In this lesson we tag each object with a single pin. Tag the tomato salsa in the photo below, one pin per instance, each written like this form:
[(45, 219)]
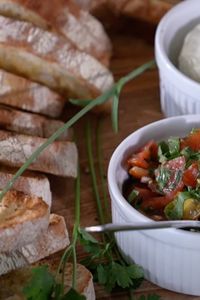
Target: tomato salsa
[(164, 178)]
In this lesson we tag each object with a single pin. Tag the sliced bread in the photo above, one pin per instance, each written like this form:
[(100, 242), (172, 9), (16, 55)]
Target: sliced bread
[(59, 159)]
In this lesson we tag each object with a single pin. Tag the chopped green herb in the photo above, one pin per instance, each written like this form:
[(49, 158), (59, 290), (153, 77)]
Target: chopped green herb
[(174, 146), (174, 210), (163, 177), (163, 151), (132, 195)]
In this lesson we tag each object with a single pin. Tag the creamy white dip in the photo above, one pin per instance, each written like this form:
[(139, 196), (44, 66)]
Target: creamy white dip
[(189, 58)]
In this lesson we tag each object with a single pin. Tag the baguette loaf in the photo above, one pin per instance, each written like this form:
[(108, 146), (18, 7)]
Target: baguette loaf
[(22, 93), (30, 124), (30, 183), (22, 219), (59, 159), (53, 240), (48, 59), (13, 283), (78, 26)]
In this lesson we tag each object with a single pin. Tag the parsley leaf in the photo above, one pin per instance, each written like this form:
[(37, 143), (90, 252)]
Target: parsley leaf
[(174, 210), (41, 285), (168, 149), (116, 275), (163, 177)]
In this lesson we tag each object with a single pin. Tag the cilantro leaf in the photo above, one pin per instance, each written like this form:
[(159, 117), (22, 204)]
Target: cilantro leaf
[(163, 177), (163, 151), (174, 210), (41, 285), (73, 295)]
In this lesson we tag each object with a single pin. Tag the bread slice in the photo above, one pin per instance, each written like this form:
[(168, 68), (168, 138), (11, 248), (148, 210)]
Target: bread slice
[(30, 183), (49, 59), (22, 93), (22, 219), (30, 124), (59, 159), (13, 283), (53, 240), (84, 31)]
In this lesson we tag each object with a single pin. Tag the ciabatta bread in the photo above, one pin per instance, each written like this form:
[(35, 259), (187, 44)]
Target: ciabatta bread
[(30, 183), (22, 219), (24, 94), (53, 240), (30, 124), (79, 27), (59, 159), (49, 59), (13, 283)]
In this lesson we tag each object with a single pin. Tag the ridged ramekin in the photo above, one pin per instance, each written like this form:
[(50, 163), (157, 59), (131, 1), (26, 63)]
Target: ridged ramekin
[(170, 257), (179, 94)]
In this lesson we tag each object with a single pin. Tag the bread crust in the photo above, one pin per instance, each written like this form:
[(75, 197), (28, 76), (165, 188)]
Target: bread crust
[(59, 159), (22, 219), (48, 59), (30, 124)]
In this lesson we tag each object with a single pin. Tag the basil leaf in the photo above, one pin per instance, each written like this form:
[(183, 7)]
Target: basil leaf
[(174, 210)]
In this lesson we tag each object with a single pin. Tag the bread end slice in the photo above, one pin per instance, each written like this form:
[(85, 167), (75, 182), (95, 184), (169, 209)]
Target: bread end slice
[(22, 219)]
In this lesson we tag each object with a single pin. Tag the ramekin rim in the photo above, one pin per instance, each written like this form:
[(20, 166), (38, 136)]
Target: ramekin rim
[(161, 53)]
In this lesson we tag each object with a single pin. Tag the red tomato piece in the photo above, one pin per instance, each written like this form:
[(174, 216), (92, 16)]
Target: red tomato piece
[(138, 162), (155, 203), (190, 175), (150, 150), (138, 173), (192, 141)]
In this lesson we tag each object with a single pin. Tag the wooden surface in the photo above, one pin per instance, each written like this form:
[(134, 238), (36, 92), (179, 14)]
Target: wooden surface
[(139, 105)]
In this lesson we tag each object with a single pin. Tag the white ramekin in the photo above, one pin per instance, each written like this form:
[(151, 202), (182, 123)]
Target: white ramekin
[(170, 257), (179, 94)]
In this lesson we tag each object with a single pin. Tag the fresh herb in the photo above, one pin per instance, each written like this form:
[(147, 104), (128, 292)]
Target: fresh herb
[(105, 261), (169, 149), (41, 285), (174, 146), (174, 210), (133, 195), (162, 178)]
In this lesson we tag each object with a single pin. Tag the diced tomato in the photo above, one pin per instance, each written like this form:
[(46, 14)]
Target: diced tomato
[(176, 167), (155, 203), (150, 150), (138, 162), (145, 193), (192, 141), (190, 175), (138, 173)]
